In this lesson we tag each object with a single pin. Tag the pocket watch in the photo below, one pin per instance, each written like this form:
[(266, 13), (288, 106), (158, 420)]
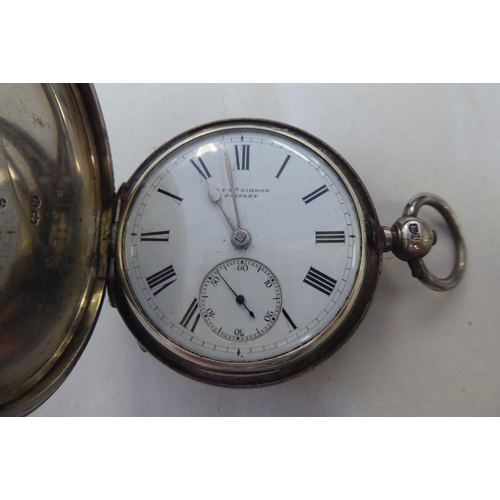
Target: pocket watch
[(240, 253)]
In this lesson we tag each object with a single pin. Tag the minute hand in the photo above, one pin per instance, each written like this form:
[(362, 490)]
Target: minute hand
[(231, 185)]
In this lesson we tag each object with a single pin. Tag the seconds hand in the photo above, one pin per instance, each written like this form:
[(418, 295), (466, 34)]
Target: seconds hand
[(240, 299)]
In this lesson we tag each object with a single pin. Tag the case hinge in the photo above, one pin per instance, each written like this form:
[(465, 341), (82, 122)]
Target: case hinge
[(113, 246)]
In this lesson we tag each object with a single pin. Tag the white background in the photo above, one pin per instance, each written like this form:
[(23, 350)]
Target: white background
[(418, 352)]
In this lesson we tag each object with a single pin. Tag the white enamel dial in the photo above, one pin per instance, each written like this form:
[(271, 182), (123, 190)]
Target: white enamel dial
[(303, 227)]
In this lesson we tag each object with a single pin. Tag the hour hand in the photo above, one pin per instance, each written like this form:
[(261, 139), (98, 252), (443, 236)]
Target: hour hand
[(240, 238), (214, 195)]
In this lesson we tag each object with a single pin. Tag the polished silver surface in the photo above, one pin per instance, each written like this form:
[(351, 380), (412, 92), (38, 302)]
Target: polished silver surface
[(411, 239), (55, 174)]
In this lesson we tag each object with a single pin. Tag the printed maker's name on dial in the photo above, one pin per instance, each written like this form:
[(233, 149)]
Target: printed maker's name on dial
[(243, 192)]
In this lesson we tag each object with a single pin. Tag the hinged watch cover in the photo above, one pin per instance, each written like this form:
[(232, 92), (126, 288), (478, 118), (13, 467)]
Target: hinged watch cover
[(56, 193)]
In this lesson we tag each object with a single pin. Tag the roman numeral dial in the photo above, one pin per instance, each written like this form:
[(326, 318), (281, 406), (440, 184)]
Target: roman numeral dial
[(280, 171), (178, 199), (315, 194), (202, 296), (201, 168), (289, 319), (242, 156), (162, 279), (192, 316), (155, 236), (320, 281), (330, 237)]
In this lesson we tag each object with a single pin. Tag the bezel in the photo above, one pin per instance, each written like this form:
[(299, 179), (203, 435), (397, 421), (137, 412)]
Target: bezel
[(283, 366)]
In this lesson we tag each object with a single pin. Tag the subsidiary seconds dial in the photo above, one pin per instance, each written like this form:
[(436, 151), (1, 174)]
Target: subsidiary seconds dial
[(240, 300)]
